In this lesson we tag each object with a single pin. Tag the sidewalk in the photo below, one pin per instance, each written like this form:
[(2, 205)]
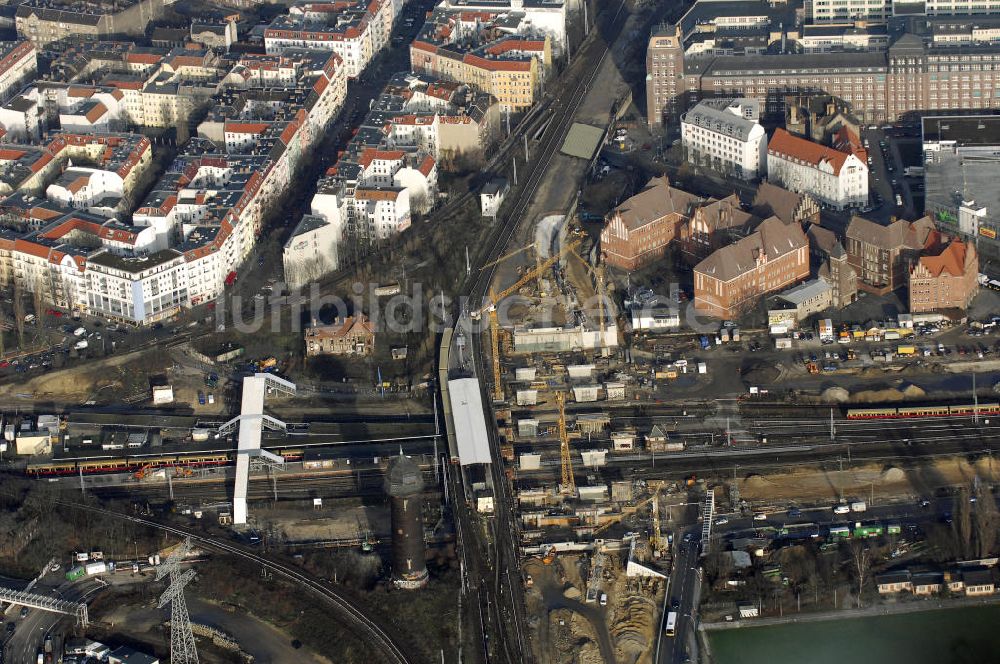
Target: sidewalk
[(894, 608)]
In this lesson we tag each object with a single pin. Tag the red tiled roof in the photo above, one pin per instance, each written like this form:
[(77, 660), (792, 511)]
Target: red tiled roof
[(246, 127), (94, 114), (376, 194), (786, 145), (427, 165), (951, 260), (371, 154)]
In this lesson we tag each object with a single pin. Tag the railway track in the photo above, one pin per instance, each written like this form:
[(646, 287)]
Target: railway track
[(377, 636)]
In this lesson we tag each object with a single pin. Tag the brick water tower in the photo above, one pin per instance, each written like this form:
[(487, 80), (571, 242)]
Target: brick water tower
[(405, 486)]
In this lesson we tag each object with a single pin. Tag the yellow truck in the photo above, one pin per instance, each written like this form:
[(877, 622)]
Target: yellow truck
[(906, 350)]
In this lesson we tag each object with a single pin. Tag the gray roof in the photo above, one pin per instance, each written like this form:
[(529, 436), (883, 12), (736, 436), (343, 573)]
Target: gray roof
[(972, 130), (771, 199), (308, 223), (901, 576), (773, 238), (655, 201), (720, 120), (792, 65), (805, 291), (133, 264), (823, 239)]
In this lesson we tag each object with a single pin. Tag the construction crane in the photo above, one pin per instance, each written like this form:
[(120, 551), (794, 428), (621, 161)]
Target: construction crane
[(657, 486), (491, 308), (528, 276), (495, 341), (568, 481), (506, 256)]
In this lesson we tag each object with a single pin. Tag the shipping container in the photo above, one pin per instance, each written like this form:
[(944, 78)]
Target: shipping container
[(75, 573), (906, 350), (859, 506), (95, 568)]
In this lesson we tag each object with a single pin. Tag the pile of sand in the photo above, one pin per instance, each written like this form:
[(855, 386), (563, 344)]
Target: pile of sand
[(893, 475), (902, 391), (835, 394)]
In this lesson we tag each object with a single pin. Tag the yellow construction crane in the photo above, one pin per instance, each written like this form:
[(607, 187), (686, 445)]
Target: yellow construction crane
[(491, 308), (656, 485), (506, 256), (528, 276), (568, 480), (495, 341)]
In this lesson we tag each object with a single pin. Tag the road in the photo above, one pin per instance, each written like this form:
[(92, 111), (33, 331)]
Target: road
[(683, 592), (30, 632)]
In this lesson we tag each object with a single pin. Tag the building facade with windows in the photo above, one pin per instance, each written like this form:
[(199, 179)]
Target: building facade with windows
[(725, 135), (839, 179), (948, 280), (881, 83), (731, 281)]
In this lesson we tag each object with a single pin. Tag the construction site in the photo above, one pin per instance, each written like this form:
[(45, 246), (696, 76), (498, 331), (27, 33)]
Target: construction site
[(597, 542)]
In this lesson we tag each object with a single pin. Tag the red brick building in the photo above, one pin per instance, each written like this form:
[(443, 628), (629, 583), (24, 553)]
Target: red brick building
[(881, 255), (639, 230), (946, 281), (729, 282)]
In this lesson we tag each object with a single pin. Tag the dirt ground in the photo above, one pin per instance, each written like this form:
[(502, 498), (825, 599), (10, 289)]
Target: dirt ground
[(119, 376), (347, 523), (567, 630), (810, 484)]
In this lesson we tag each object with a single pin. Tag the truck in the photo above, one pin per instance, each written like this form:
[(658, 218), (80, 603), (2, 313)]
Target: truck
[(826, 331), (906, 350), (705, 343), (859, 506)]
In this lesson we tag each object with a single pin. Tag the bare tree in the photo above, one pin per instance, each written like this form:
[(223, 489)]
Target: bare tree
[(861, 561), (985, 521), (963, 522), (17, 302), (38, 301)]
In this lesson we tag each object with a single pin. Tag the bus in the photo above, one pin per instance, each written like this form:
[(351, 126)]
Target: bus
[(671, 623)]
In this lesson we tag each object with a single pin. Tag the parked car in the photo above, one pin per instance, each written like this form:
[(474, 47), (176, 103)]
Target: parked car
[(760, 516)]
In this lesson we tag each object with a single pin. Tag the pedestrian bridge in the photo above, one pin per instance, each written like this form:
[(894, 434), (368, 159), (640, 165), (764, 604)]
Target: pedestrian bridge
[(43, 603), (250, 424)]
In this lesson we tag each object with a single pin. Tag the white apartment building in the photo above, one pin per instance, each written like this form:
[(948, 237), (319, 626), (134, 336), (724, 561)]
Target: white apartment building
[(724, 134), (18, 65), (838, 179), (312, 250), (82, 188), (139, 290)]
